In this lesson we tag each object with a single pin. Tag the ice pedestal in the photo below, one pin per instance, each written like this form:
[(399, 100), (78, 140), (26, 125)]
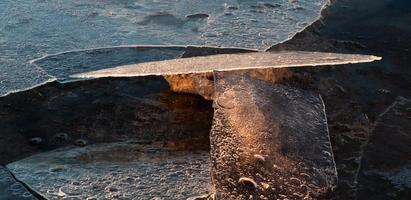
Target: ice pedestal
[(269, 141)]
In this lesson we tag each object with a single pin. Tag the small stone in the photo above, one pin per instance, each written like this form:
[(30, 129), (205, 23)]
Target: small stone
[(248, 182), (80, 142), (265, 186), (36, 141), (62, 137)]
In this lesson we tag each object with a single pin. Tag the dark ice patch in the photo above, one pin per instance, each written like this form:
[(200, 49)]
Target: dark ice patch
[(386, 162)]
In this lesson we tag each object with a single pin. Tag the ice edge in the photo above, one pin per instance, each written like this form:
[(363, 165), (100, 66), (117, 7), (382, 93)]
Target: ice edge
[(93, 74)]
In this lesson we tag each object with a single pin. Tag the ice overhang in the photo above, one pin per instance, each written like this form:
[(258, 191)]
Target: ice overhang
[(229, 62)]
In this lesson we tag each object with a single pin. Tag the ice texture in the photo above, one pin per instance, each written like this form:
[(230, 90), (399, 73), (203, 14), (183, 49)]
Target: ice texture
[(31, 29), (127, 170), (269, 141)]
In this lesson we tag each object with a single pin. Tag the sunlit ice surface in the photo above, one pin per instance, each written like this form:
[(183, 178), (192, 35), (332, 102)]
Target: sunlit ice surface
[(229, 62), (32, 29)]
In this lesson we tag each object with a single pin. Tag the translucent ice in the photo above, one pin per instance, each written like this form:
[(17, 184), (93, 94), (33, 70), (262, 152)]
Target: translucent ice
[(269, 141)]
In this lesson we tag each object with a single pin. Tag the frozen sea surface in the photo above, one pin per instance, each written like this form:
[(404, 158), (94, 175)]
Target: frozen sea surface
[(116, 171), (32, 29)]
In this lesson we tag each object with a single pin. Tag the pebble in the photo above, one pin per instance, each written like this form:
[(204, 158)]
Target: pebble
[(248, 182), (80, 142), (36, 141), (62, 137), (265, 186)]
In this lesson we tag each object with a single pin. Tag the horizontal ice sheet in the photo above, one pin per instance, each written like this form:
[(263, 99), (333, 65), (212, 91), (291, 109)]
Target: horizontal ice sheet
[(31, 29), (229, 62), (64, 64)]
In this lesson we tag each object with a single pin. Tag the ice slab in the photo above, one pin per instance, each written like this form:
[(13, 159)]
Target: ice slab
[(116, 171), (229, 62), (31, 29), (269, 141)]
